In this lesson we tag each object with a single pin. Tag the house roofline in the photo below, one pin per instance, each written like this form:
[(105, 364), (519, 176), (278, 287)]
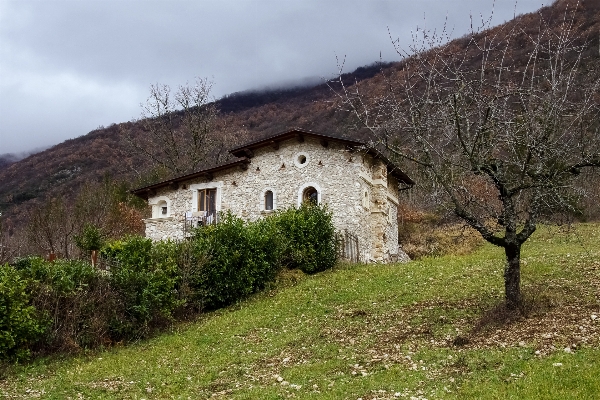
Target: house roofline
[(143, 192), (292, 133), (393, 169), (246, 152)]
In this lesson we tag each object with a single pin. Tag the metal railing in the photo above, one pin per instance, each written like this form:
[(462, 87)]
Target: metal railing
[(347, 246), (195, 221)]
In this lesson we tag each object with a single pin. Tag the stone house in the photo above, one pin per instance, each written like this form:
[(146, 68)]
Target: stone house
[(358, 184)]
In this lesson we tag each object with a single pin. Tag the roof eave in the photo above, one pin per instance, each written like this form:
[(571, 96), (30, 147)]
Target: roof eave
[(297, 133), (143, 192)]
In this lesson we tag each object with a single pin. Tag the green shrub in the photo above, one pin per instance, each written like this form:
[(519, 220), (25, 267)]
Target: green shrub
[(147, 283), (33, 267), (74, 298), (64, 276), (224, 278), (145, 278), (240, 259), (19, 325), (309, 237), (192, 255), (90, 239), (266, 246)]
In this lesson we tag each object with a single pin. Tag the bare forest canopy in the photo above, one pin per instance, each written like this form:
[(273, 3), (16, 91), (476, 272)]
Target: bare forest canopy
[(64, 168)]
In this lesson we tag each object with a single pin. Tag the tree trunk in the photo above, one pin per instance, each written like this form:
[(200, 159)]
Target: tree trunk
[(512, 276)]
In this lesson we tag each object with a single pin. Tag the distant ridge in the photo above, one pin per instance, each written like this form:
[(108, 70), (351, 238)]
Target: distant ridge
[(246, 116)]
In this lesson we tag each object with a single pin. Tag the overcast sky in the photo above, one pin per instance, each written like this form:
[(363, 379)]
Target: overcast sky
[(67, 67)]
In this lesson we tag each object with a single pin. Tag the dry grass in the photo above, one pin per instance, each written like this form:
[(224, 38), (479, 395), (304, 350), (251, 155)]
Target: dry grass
[(423, 234)]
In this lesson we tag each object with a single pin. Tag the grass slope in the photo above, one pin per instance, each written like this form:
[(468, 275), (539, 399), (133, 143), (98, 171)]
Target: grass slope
[(428, 329)]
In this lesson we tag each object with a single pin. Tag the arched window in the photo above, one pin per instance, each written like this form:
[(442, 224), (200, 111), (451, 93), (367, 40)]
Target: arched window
[(310, 195), (161, 207), (269, 200)]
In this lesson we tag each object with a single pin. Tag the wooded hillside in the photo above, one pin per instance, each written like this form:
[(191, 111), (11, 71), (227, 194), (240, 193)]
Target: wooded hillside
[(65, 167)]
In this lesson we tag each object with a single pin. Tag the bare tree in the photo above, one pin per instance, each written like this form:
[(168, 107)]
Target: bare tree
[(107, 206), (501, 132), (51, 227), (177, 127)]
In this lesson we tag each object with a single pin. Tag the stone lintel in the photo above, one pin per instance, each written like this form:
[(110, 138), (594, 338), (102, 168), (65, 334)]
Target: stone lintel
[(379, 182)]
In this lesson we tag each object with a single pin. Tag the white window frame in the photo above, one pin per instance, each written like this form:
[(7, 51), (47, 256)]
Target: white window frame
[(307, 185), (194, 188), (157, 208), (366, 199), (297, 161), (261, 199)]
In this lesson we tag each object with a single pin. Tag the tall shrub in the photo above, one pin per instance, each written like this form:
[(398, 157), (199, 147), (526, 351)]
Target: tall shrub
[(266, 247), (74, 297), (309, 236), (224, 278), (240, 259), (19, 323), (145, 278)]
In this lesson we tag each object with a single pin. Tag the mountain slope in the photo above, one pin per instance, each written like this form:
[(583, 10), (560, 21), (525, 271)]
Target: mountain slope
[(62, 169)]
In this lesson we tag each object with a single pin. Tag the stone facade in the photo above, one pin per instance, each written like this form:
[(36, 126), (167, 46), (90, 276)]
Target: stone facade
[(356, 186)]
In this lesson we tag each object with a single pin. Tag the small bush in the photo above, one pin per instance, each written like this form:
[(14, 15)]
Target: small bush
[(19, 324), (90, 239), (309, 237)]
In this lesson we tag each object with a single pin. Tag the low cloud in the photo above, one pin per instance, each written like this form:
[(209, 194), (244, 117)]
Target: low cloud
[(68, 67)]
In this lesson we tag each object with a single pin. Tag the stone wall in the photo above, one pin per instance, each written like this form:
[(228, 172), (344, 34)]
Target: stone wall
[(355, 187)]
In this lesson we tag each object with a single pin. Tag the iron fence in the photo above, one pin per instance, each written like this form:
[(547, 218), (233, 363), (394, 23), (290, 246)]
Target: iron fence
[(195, 221), (347, 246)]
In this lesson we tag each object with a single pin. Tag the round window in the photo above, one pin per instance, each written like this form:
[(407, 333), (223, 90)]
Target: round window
[(301, 159)]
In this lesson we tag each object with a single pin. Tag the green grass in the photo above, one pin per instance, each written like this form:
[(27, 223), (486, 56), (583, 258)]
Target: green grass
[(428, 329)]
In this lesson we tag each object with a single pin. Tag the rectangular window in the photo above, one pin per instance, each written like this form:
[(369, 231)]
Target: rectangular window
[(268, 200), (207, 201)]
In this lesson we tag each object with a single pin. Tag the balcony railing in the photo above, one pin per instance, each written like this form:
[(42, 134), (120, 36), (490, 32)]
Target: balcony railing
[(347, 246), (197, 219)]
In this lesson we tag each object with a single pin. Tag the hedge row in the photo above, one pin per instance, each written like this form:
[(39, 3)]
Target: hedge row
[(68, 305)]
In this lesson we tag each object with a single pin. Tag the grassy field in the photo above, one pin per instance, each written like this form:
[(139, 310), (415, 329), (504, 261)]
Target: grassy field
[(431, 329)]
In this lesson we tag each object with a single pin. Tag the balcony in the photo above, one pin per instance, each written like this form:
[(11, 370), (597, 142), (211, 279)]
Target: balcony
[(197, 219)]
